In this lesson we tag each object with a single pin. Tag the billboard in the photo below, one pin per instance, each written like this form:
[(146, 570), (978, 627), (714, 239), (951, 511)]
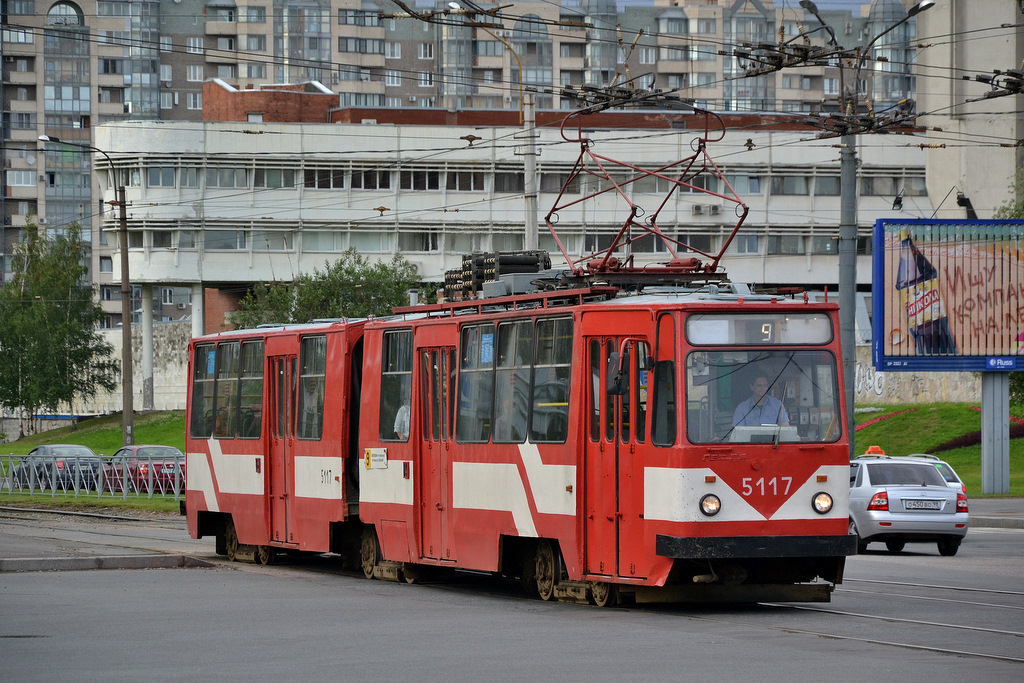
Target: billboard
[(948, 295)]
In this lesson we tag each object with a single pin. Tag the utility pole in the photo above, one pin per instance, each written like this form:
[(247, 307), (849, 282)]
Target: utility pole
[(848, 272), (127, 408), (530, 171)]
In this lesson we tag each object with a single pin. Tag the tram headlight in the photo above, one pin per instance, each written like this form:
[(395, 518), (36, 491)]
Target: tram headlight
[(710, 505), (822, 502)]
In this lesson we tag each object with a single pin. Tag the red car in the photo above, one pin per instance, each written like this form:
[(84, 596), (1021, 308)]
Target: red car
[(145, 469)]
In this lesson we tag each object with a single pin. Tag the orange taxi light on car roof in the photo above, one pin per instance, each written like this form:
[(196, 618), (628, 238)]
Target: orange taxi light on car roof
[(874, 450)]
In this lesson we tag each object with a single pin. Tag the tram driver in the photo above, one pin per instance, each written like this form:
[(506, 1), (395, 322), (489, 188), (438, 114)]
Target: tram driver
[(761, 408)]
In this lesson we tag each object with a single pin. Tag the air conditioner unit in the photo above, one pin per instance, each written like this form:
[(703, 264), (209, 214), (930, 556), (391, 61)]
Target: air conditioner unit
[(412, 98), (182, 306), (697, 209), (8, 59), (714, 209)]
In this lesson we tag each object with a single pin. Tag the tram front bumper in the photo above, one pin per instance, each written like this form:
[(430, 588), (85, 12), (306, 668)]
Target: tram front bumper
[(696, 548)]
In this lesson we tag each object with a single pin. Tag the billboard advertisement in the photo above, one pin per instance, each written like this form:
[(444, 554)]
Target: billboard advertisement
[(948, 295)]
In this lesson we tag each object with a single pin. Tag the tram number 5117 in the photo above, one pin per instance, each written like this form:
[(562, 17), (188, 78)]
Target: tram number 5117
[(762, 485)]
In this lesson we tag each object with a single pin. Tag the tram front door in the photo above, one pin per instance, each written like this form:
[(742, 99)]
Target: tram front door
[(616, 433)]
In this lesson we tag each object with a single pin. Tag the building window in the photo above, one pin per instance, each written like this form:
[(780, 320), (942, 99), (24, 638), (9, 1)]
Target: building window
[(272, 178), (195, 72), (166, 296), (392, 50), (325, 178), (509, 182), (226, 44), (744, 244), (392, 78), (420, 180), (826, 186), (785, 244), (789, 185), (194, 45), (195, 100), (256, 43), (707, 26), (465, 181), (648, 55), (106, 264), (426, 51), (161, 239), (881, 186), (371, 180), (425, 79), (824, 245), (254, 15), (161, 176), (271, 240), (234, 176), (225, 240)]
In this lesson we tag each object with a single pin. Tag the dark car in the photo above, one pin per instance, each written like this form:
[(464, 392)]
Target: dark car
[(66, 467), (146, 468)]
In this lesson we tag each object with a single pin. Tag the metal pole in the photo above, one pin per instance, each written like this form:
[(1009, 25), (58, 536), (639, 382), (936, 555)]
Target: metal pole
[(848, 273), (530, 172), (127, 419)]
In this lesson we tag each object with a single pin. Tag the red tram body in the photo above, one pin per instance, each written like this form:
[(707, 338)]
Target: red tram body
[(590, 442)]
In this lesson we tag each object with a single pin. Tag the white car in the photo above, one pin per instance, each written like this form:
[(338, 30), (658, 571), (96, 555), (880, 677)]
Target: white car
[(896, 500)]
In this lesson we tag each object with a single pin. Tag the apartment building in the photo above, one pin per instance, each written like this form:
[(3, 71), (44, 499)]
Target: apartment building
[(68, 66)]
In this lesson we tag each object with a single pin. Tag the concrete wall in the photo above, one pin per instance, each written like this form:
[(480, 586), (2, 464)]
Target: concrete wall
[(880, 388)]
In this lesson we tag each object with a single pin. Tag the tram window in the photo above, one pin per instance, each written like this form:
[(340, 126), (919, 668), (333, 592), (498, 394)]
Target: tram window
[(203, 385), (549, 417), (512, 381), (595, 389), (476, 384), (640, 371), (251, 407), (395, 386), (720, 385), (663, 385), (312, 376), (228, 368)]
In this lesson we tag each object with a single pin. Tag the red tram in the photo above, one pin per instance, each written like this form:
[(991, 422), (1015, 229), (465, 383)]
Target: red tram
[(670, 443)]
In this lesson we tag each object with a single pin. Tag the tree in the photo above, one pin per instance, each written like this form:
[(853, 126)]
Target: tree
[(1014, 206), (49, 319), (351, 287)]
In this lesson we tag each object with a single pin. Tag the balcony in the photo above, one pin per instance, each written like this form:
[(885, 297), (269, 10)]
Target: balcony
[(221, 28)]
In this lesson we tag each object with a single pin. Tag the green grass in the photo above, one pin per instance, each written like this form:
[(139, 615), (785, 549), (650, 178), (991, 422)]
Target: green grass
[(928, 426), (920, 431), (103, 434)]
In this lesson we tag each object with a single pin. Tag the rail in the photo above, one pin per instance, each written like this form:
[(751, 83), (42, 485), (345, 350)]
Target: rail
[(99, 476)]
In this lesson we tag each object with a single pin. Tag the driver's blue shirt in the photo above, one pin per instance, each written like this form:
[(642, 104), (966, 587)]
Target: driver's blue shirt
[(770, 412)]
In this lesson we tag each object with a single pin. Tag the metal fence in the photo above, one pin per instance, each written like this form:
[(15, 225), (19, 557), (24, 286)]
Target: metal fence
[(84, 476)]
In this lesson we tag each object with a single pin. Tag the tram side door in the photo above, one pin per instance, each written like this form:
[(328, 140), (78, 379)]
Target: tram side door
[(616, 425), (281, 454), (436, 405)]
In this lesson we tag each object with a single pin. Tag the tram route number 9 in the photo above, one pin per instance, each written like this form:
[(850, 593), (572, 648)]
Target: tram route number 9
[(762, 485), (766, 332)]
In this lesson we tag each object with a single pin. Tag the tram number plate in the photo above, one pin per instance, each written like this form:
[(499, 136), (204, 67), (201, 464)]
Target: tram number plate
[(922, 504)]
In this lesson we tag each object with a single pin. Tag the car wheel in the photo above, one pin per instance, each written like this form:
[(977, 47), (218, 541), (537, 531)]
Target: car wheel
[(948, 548), (895, 546), (861, 545)]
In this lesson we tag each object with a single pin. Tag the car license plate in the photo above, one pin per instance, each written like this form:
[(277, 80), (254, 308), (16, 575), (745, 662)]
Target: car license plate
[(922, 504)]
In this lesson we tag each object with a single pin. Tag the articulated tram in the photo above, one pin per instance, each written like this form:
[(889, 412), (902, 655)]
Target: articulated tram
[(601, 443)]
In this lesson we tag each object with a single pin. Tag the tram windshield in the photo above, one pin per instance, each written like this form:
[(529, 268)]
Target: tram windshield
[(762, 396)]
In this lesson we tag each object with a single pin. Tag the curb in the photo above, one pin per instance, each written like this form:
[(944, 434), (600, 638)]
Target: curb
[(997, 522), (38, 564)]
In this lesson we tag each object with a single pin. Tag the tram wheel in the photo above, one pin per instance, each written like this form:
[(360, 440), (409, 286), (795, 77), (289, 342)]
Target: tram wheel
[(369, 552), (230, 540), (895, 546), (603, 593), (265, 555), (545, 570), (411, 573)]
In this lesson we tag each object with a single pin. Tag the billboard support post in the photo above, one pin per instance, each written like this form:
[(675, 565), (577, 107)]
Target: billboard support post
[(995, 432)]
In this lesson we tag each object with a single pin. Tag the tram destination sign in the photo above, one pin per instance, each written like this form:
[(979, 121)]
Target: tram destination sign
[(948, 295)]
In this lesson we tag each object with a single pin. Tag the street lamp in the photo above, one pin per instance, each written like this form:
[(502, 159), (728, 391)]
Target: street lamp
[(127, 419)]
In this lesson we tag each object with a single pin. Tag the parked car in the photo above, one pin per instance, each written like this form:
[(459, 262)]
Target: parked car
[(896, 500), (60, 466), (145, 468)]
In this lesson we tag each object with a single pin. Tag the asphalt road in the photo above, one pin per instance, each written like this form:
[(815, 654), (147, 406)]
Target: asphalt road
[(915, 616)]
